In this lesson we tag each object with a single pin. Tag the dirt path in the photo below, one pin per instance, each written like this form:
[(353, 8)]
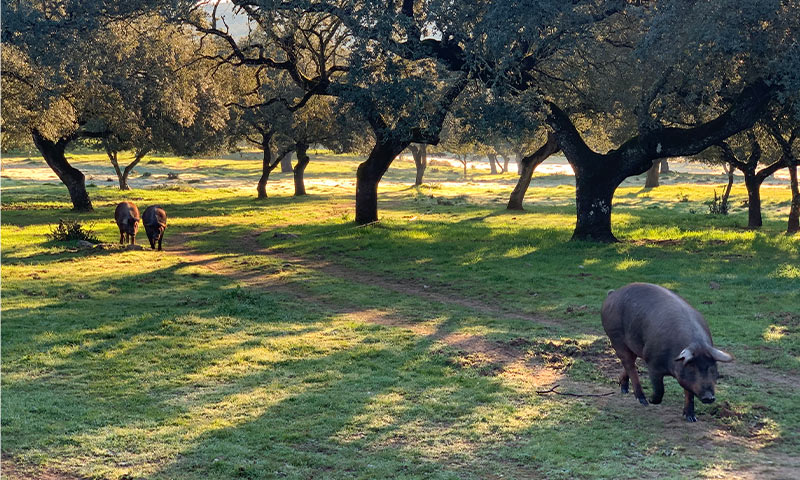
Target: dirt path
[(514, 362)]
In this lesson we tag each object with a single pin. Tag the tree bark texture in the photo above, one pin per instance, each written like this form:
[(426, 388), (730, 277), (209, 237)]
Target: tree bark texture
[(527, 166), (368, 176), (420, 154), (300, 168), (664, 166), (71, 177)]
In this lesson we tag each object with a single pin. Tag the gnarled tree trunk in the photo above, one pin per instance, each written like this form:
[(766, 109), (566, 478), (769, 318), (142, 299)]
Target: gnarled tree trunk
[(368, 176), (597, 176), (527, 166), (420, 154), (73, 179), (300, 168)]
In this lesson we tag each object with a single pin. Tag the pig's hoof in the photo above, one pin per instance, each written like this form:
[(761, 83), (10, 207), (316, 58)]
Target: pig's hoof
[(690, 418), (655, 401), (643, 401), (623, 389)]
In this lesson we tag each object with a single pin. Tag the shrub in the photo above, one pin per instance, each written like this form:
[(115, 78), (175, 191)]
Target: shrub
[(718, 206), (67, 230)]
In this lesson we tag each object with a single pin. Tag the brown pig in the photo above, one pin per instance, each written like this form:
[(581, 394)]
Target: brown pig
[(155, 222), (127, 218), (648, 321)]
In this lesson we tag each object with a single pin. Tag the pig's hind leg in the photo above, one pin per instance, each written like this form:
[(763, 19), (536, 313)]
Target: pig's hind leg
[(628, 359)]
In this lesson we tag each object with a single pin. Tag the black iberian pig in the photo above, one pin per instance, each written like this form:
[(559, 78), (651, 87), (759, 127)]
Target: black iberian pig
[(155, 222), (651, 322), (127, 218)]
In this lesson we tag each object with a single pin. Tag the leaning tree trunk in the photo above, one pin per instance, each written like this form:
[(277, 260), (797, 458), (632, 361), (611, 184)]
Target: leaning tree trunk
[(652, 175), (492, 163), (519, 156), (794, 211), (664, 166), (267, 166), (286, 163), (300, 168), (368, 176), (73, 179), (527, 166), (753, 184), (420, 154)]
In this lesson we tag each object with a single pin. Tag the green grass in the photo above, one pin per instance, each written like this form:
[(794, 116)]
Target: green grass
[(129, 364)]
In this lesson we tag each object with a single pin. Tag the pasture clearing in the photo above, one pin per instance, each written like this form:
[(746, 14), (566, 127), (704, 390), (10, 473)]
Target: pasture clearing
[(413, 348)]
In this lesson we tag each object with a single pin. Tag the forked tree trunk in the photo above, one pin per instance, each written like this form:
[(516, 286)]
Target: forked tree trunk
[(794, 211), (652, 175), (727, 193), (71, 177), (492, 163), (463, 160), (286, 163), (420, 154), (527, 166), (300, 168), (369, 175), (123, 174), (664, 166), (597, 175)]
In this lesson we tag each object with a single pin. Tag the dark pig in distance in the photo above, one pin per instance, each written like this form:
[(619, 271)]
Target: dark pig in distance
[(648, 321), (127, 217), (155, 222)]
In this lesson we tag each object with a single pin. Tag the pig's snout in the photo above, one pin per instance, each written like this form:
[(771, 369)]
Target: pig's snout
[(707, 397)]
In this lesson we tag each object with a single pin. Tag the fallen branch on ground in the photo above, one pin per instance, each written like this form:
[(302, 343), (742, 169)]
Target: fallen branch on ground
[(553, 390)]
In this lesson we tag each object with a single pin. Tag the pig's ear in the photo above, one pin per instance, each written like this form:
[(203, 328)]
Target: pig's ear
[(720, 356), (685, 356)]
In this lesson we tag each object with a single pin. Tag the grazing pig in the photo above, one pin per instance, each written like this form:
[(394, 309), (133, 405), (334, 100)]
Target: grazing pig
[(651, 322), (127, 218), (155, 222)]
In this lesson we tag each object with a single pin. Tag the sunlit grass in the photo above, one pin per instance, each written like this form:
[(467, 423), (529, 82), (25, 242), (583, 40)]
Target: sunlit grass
[(129, 364)]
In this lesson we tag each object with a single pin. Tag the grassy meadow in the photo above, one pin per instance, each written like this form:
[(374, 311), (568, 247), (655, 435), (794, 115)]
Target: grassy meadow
[(275, 339)]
